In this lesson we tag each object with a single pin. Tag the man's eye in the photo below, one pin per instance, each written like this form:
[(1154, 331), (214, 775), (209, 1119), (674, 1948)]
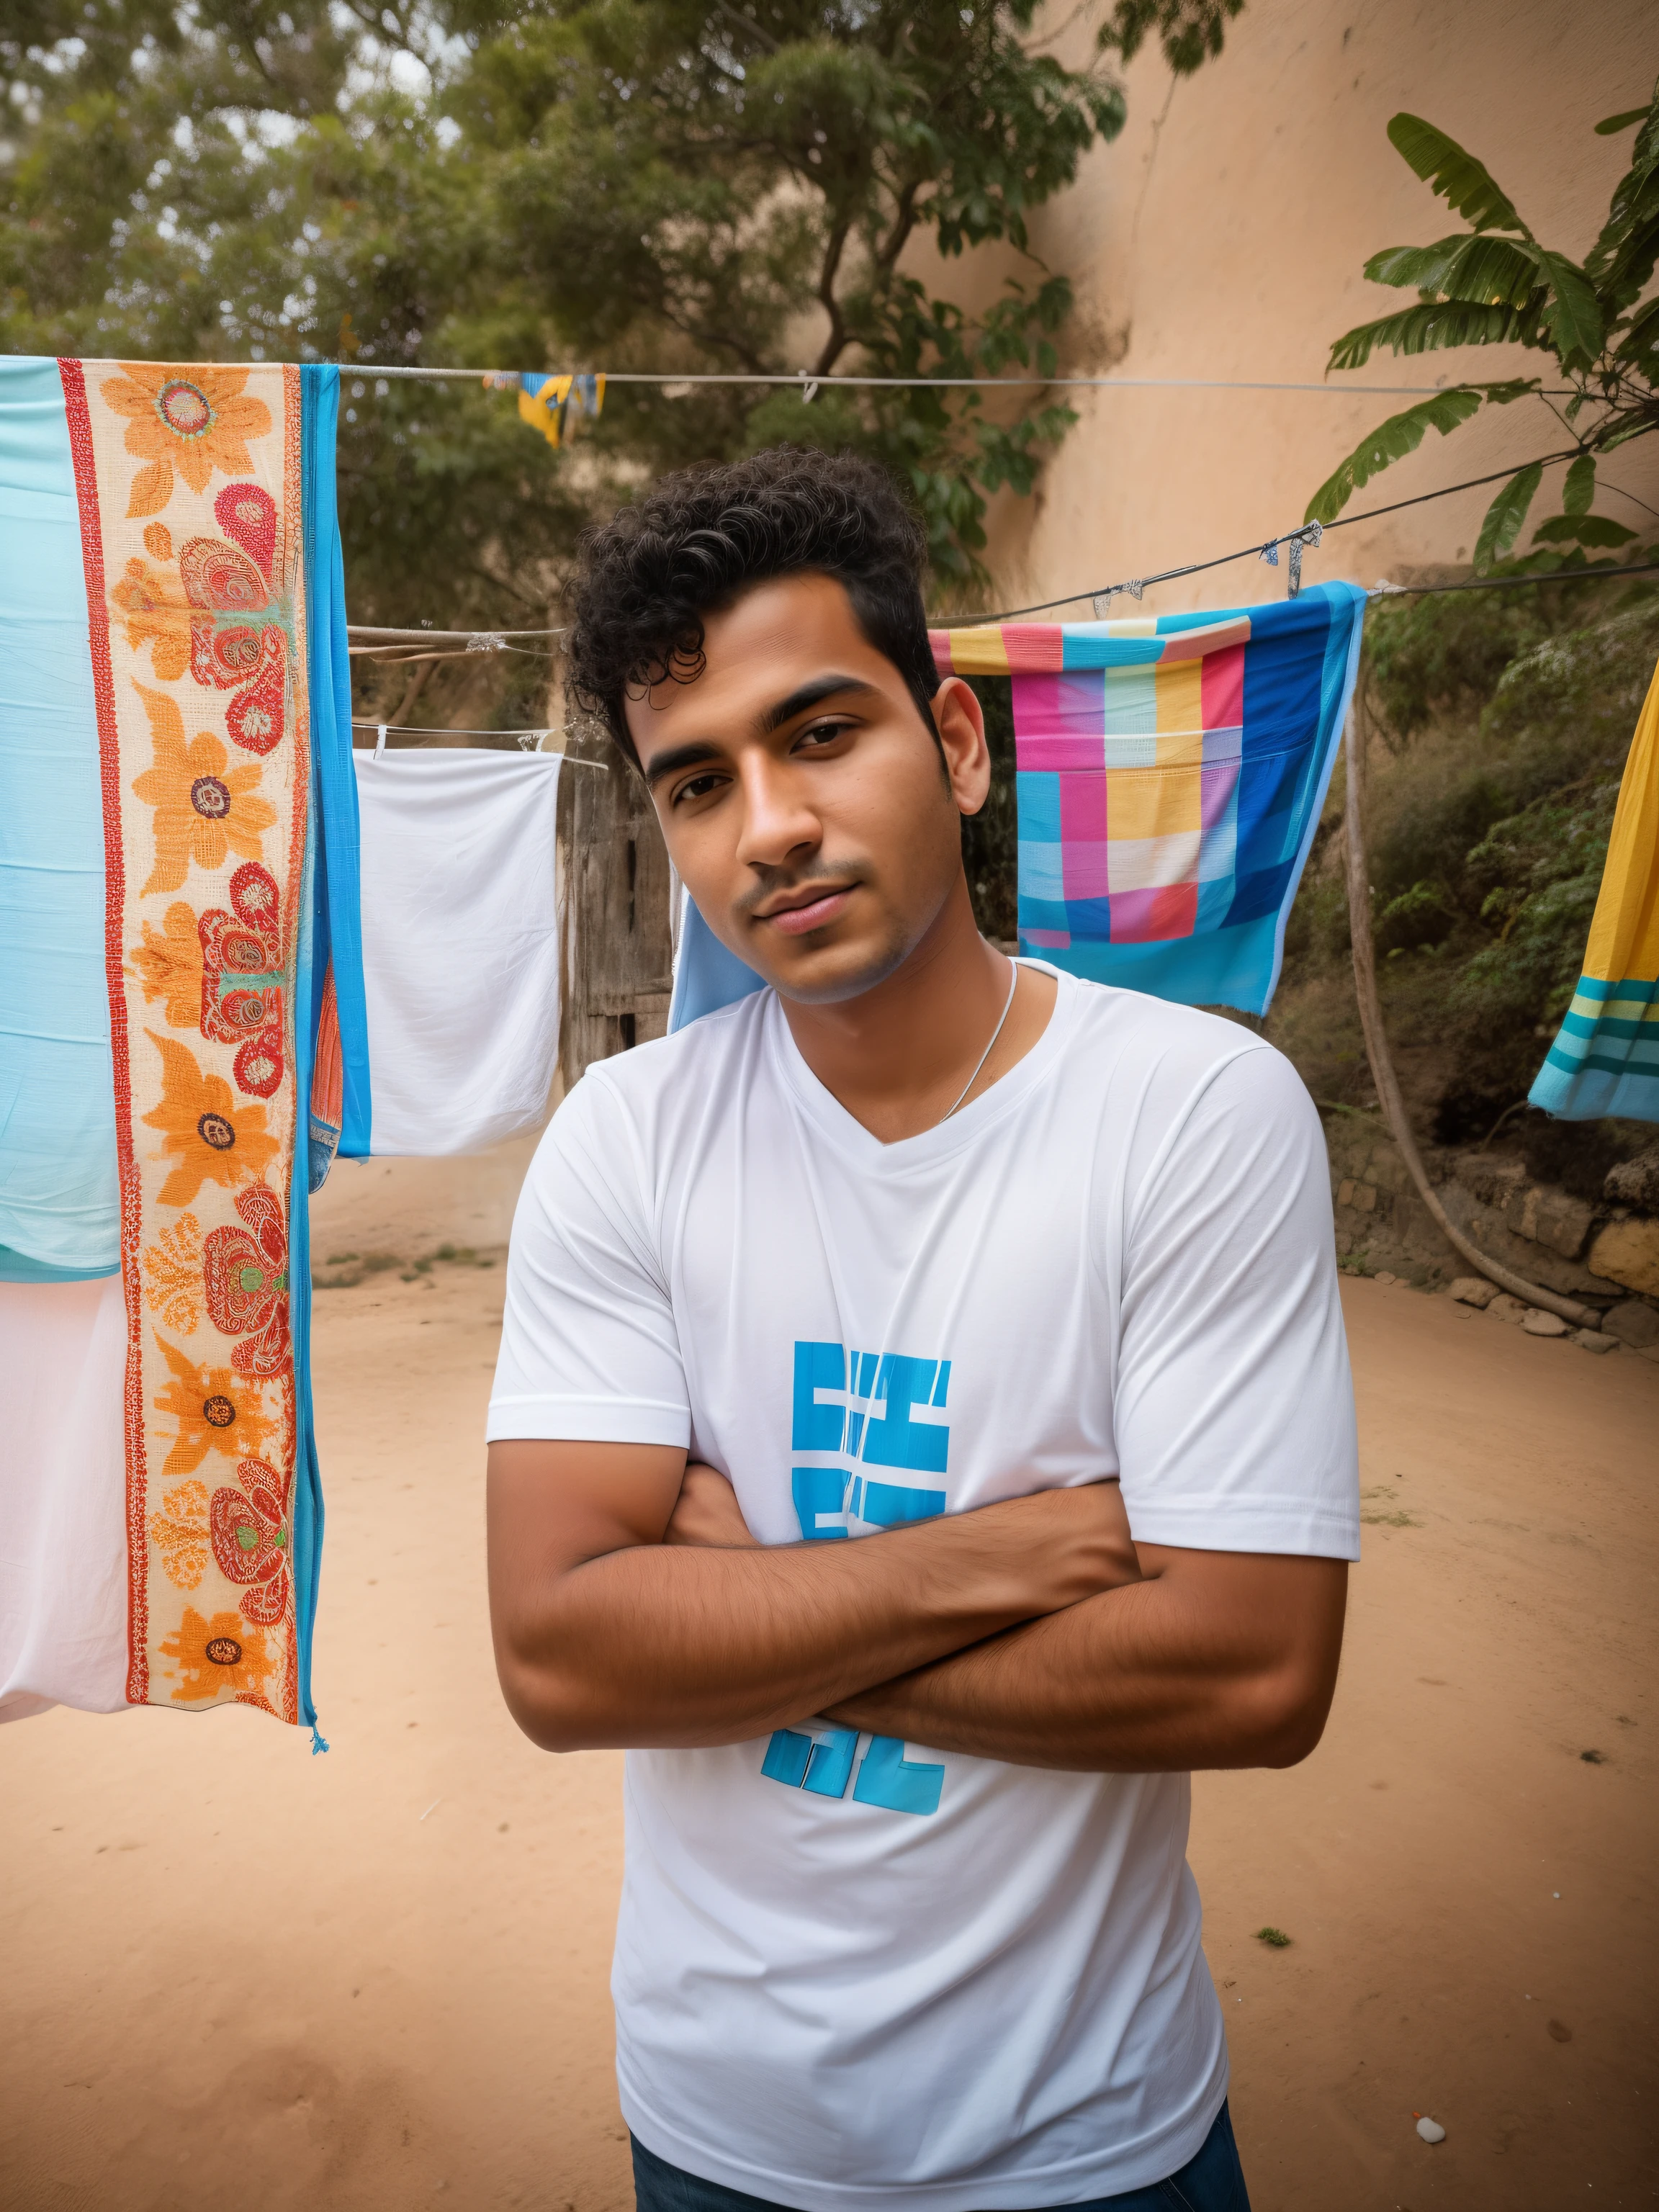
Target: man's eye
[(695, 786), (823, 733)]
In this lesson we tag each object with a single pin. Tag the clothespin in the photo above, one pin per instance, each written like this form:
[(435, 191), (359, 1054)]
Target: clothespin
[(1102, 600), (810, 386), (1310, 534), (379, 741)]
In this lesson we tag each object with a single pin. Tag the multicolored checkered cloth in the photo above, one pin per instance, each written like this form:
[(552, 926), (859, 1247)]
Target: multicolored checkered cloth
[(1172, 771), (1605, 1059)]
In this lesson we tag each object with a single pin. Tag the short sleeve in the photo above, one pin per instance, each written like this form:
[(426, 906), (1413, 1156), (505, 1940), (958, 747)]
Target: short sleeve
[(1234, 1405), (589, 1349)]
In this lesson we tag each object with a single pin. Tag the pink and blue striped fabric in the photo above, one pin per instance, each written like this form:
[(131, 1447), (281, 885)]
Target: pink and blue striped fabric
[(1172, 771)]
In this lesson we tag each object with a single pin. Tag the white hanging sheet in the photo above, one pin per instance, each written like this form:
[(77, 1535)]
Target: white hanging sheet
[(62, 1497), (460, 945)]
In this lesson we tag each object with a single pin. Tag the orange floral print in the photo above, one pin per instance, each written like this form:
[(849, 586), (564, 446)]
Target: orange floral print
[(217, 1410), (168, 964), (173, 1275), (204, 809), (194, 420), (157, 615), (158, 540), (212, 1138), (225, 1653), (179, 1533)]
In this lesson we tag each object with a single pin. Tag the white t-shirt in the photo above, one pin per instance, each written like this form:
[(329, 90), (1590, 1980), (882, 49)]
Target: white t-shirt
[(854, 1972)]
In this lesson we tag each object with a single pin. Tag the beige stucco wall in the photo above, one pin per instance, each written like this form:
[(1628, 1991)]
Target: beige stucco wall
[(1229, 242)]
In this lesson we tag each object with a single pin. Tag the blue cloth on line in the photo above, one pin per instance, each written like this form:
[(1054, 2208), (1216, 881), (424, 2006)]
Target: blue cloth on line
[(58, 1187)]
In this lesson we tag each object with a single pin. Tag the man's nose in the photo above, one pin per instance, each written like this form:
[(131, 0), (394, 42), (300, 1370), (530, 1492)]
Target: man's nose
[(779, 821)]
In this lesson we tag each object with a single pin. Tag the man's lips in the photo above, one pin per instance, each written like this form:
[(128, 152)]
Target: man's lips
[(815, 909)]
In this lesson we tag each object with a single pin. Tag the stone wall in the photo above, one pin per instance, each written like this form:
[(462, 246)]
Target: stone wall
[(1604, 1253)]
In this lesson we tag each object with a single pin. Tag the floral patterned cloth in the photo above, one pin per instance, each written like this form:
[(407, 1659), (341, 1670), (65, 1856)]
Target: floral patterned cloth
[(210, 554)]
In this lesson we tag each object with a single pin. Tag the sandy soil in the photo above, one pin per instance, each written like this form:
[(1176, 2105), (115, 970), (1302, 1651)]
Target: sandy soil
[(238, 1974)]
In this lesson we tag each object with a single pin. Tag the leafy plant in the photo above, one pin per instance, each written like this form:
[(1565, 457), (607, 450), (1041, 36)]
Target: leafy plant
[(1497, 283), (1190, 32)]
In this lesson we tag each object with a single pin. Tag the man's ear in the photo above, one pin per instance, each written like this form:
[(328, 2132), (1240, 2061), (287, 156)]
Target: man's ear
[(960, 720)]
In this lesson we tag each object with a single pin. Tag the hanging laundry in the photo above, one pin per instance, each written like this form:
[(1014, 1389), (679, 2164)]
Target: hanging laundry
[(1172, 771), (64, 1499), (460, 953), (549, 403), (58, 1211), (1605, 1059), (212, 647)]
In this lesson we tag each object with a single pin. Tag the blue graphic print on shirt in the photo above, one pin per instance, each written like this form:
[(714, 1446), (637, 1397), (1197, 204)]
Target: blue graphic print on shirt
[(827, 1499)]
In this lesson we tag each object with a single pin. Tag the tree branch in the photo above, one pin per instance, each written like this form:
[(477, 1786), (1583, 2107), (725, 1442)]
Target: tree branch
[(904, 221), (746, 23), (835, 343)]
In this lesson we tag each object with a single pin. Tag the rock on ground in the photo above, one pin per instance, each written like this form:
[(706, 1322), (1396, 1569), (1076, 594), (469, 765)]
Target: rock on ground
[(1537, 1322)]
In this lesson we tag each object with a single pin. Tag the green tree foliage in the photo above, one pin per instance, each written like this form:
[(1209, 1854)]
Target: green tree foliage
[(679, 186), (1496, 283), (1190, 32)]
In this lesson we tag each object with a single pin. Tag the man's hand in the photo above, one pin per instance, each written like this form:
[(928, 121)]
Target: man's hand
[(706, 1513)]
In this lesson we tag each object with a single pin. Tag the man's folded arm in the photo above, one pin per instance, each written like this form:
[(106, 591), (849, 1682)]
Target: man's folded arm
[(608, 1635), (1213, 1659)]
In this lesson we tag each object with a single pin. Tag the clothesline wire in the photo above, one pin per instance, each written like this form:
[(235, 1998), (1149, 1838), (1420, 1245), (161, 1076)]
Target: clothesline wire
[(413, 730), (804, 378), (373, 633), (1138, 584), (1512, 583)]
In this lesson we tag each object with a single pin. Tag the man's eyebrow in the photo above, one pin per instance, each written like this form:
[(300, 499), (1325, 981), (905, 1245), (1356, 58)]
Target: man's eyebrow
[(678, 757), (807, 695)]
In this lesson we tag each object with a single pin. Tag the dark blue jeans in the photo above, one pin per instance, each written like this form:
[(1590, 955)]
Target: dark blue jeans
[(1211, 2182)]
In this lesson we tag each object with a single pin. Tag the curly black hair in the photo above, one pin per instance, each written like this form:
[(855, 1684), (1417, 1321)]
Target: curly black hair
[(700, 538)]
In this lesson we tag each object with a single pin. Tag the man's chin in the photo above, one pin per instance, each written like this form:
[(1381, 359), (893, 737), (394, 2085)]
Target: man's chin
[(827, 966)]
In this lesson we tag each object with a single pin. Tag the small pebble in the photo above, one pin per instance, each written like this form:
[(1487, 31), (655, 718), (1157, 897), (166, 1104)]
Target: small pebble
[(1430, 2131), (1537, 1322), (1595, 1340)]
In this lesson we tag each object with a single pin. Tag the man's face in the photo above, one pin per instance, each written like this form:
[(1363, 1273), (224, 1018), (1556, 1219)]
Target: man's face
[(801, 795)]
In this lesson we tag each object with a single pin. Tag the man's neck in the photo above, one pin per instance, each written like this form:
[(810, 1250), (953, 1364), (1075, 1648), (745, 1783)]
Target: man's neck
[(897, 1056)]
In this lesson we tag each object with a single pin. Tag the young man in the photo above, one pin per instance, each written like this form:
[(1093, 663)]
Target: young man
[(852, 1335)]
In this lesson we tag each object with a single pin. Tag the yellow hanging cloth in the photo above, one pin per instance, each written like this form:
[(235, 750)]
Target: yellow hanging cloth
[(1605, 1059)]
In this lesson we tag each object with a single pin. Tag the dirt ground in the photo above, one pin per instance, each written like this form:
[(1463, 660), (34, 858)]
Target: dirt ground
[(238, 1974)]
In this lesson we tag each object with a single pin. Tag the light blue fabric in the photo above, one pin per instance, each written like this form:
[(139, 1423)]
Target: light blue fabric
[(306, 1556), (337, 903), (58, 1190), (706, 975)]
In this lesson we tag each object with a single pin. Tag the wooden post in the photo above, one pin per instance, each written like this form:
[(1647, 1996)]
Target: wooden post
[(1376, 1048), (614, 878)]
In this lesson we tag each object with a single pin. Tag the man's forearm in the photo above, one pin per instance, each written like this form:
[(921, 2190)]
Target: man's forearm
[(653, 1644), (1215, 1660)]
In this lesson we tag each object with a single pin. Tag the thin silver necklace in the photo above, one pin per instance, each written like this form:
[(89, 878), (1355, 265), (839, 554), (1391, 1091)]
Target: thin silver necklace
[(1013, 981)]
